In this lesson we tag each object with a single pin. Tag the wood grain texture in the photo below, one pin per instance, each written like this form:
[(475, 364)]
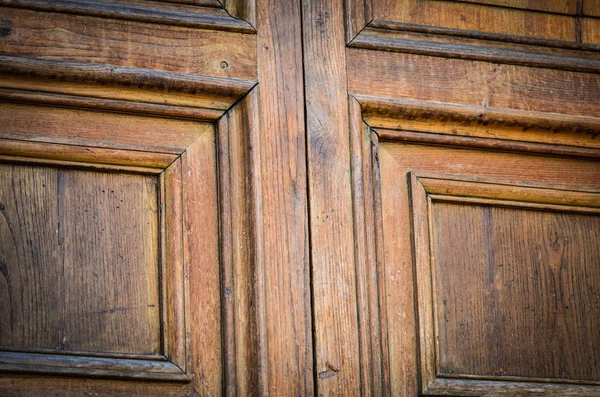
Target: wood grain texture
[(396, 161), (97, 129), (36, 151), (242, 9), (207, 14), (480, 84), (590, 31), (591, 8), (358, 14), (116, 105), (329, 181), (568, 7), (238, 253), (373, 345), (282, 246), (31, 259), (132, 368), (54, 36), (17, 385), (480, 49), (201, 265), (118, 215), (405, 115), (533, 304), (90, 310), (469, 18)]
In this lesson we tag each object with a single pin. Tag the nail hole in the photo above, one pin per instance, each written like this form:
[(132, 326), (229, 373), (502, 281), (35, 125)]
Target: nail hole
[(224, 65)]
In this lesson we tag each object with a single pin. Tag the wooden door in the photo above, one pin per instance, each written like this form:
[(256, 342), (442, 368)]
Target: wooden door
[(299, 197), (454, 189)]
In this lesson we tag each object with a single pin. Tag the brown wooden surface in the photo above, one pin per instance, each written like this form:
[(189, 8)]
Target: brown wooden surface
[(555, 6), (329, 181), (105, 229), (280, 205), (471, 19), (264, 149), (130, 44), (396, 161), (482, 84), (535, 303)]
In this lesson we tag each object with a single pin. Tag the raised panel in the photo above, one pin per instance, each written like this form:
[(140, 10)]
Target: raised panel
[(80, 260), (96, 245), (498, 253), (517, 291)]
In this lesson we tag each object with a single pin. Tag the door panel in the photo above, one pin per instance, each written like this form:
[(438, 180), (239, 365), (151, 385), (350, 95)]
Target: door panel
[(503, 263), (78, 233)]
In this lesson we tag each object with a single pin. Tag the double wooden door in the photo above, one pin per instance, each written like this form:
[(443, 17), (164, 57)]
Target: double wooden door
[(299, 197)]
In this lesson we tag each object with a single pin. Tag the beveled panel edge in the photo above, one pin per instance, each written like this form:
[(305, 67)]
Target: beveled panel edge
[(468, 190), (493, 37), (91, 366), (497, 191), (118, 105), (166, 13), (457, 387), (534, 53), (215, 94)]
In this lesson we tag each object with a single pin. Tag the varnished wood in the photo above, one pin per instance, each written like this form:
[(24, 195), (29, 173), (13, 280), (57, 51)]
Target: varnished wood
[(296, 166), (238, 272)]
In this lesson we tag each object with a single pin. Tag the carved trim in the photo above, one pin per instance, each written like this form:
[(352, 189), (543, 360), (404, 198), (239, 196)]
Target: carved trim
[(236, 134), (435, 43), (142, 11), (487, 143), (407, 116), (367, 237), (231, 89), (497, 37), (91, 366), (124, 106)]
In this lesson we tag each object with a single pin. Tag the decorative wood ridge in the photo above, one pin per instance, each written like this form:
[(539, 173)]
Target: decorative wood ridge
[(207, 15), (470, 126), (445, 43), (207, 97), (96, 366)]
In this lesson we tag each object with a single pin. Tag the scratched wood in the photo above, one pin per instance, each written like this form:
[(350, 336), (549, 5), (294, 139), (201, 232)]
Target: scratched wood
[(32, 283), (70, 241)]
